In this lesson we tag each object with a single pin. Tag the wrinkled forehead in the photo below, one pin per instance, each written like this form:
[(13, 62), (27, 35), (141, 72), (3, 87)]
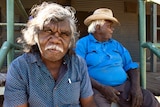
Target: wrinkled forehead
[(55, 20), (58, 25)]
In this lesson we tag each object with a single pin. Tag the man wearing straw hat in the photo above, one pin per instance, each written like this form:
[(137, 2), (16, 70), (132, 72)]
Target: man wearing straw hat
[(114, 76)]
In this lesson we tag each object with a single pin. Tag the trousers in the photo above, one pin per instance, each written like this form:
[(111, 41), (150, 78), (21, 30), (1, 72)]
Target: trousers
[(149, 99)]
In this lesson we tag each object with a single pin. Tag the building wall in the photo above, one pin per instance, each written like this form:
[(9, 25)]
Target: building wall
[(126, 11), (127, 33), (3, 19)]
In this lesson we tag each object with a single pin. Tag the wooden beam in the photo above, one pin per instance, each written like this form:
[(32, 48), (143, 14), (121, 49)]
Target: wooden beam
[(64, 2)]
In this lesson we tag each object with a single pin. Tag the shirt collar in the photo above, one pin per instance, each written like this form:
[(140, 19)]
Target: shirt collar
[(36, 58)]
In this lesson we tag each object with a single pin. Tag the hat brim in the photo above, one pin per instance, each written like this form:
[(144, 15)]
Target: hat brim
[(93, 17)]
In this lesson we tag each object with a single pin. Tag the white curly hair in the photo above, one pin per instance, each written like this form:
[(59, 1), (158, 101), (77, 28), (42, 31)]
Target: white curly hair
[(43, 14)]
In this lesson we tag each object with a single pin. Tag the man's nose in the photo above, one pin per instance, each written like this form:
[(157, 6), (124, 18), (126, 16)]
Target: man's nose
[(55, 37), (112, 28)]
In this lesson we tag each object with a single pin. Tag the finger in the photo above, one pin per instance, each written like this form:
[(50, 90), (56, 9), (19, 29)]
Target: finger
[(136, 102), (129, 98), (116, 92), (115, 98), (139, 101)]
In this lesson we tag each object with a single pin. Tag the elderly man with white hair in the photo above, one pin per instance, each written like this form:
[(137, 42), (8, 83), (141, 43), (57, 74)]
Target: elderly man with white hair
[(49, 73), (114, 76)]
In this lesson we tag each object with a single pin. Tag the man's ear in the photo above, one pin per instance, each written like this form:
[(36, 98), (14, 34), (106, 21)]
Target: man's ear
[(98, 27)]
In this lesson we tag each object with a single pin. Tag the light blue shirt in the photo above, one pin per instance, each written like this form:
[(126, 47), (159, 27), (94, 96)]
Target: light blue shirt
[(107, 61), (29, 81)]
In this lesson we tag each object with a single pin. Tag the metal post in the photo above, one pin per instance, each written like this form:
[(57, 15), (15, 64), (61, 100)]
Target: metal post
[(153, 27), (10, 29), (3, 52), (142, 35)]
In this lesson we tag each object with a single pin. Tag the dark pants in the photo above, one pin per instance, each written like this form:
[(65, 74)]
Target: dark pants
[(148, 98)]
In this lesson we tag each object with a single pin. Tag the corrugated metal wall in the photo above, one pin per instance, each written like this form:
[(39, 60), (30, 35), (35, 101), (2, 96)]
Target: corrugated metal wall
[(90, 5)]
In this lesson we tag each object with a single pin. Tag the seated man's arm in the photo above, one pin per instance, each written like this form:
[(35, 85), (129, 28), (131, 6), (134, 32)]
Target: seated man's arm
[(136, 93), (134, 78), (109, 92), (88, 102)]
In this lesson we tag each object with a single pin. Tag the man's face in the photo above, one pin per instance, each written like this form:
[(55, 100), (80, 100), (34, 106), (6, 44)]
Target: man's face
[(105, 31), (54, 40)]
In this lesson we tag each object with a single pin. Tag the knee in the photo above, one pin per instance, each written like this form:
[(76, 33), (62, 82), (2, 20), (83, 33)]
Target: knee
[(149, 99)]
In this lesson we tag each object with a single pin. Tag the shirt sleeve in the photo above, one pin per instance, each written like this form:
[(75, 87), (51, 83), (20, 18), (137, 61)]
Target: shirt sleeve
[(127, 59), (15, 88), (81, 48), (86, 88)]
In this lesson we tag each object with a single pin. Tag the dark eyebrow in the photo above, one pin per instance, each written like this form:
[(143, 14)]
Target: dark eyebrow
[(66, 32), (45, 27), (109, 21)]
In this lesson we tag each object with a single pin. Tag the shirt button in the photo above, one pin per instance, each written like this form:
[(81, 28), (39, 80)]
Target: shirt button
[(55, 88)]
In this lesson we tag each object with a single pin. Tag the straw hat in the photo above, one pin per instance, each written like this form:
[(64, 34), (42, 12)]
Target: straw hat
[(101, 13)]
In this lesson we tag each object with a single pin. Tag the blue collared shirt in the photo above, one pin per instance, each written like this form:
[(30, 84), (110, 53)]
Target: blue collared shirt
[(107, 61), (29, 81)]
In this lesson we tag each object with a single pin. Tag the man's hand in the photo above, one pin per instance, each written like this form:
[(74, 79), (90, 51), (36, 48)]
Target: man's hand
[(110, 93), (136, 96)]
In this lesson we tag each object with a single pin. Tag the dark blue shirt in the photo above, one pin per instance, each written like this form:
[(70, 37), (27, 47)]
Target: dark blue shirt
[(107, 61), (28, 80)]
